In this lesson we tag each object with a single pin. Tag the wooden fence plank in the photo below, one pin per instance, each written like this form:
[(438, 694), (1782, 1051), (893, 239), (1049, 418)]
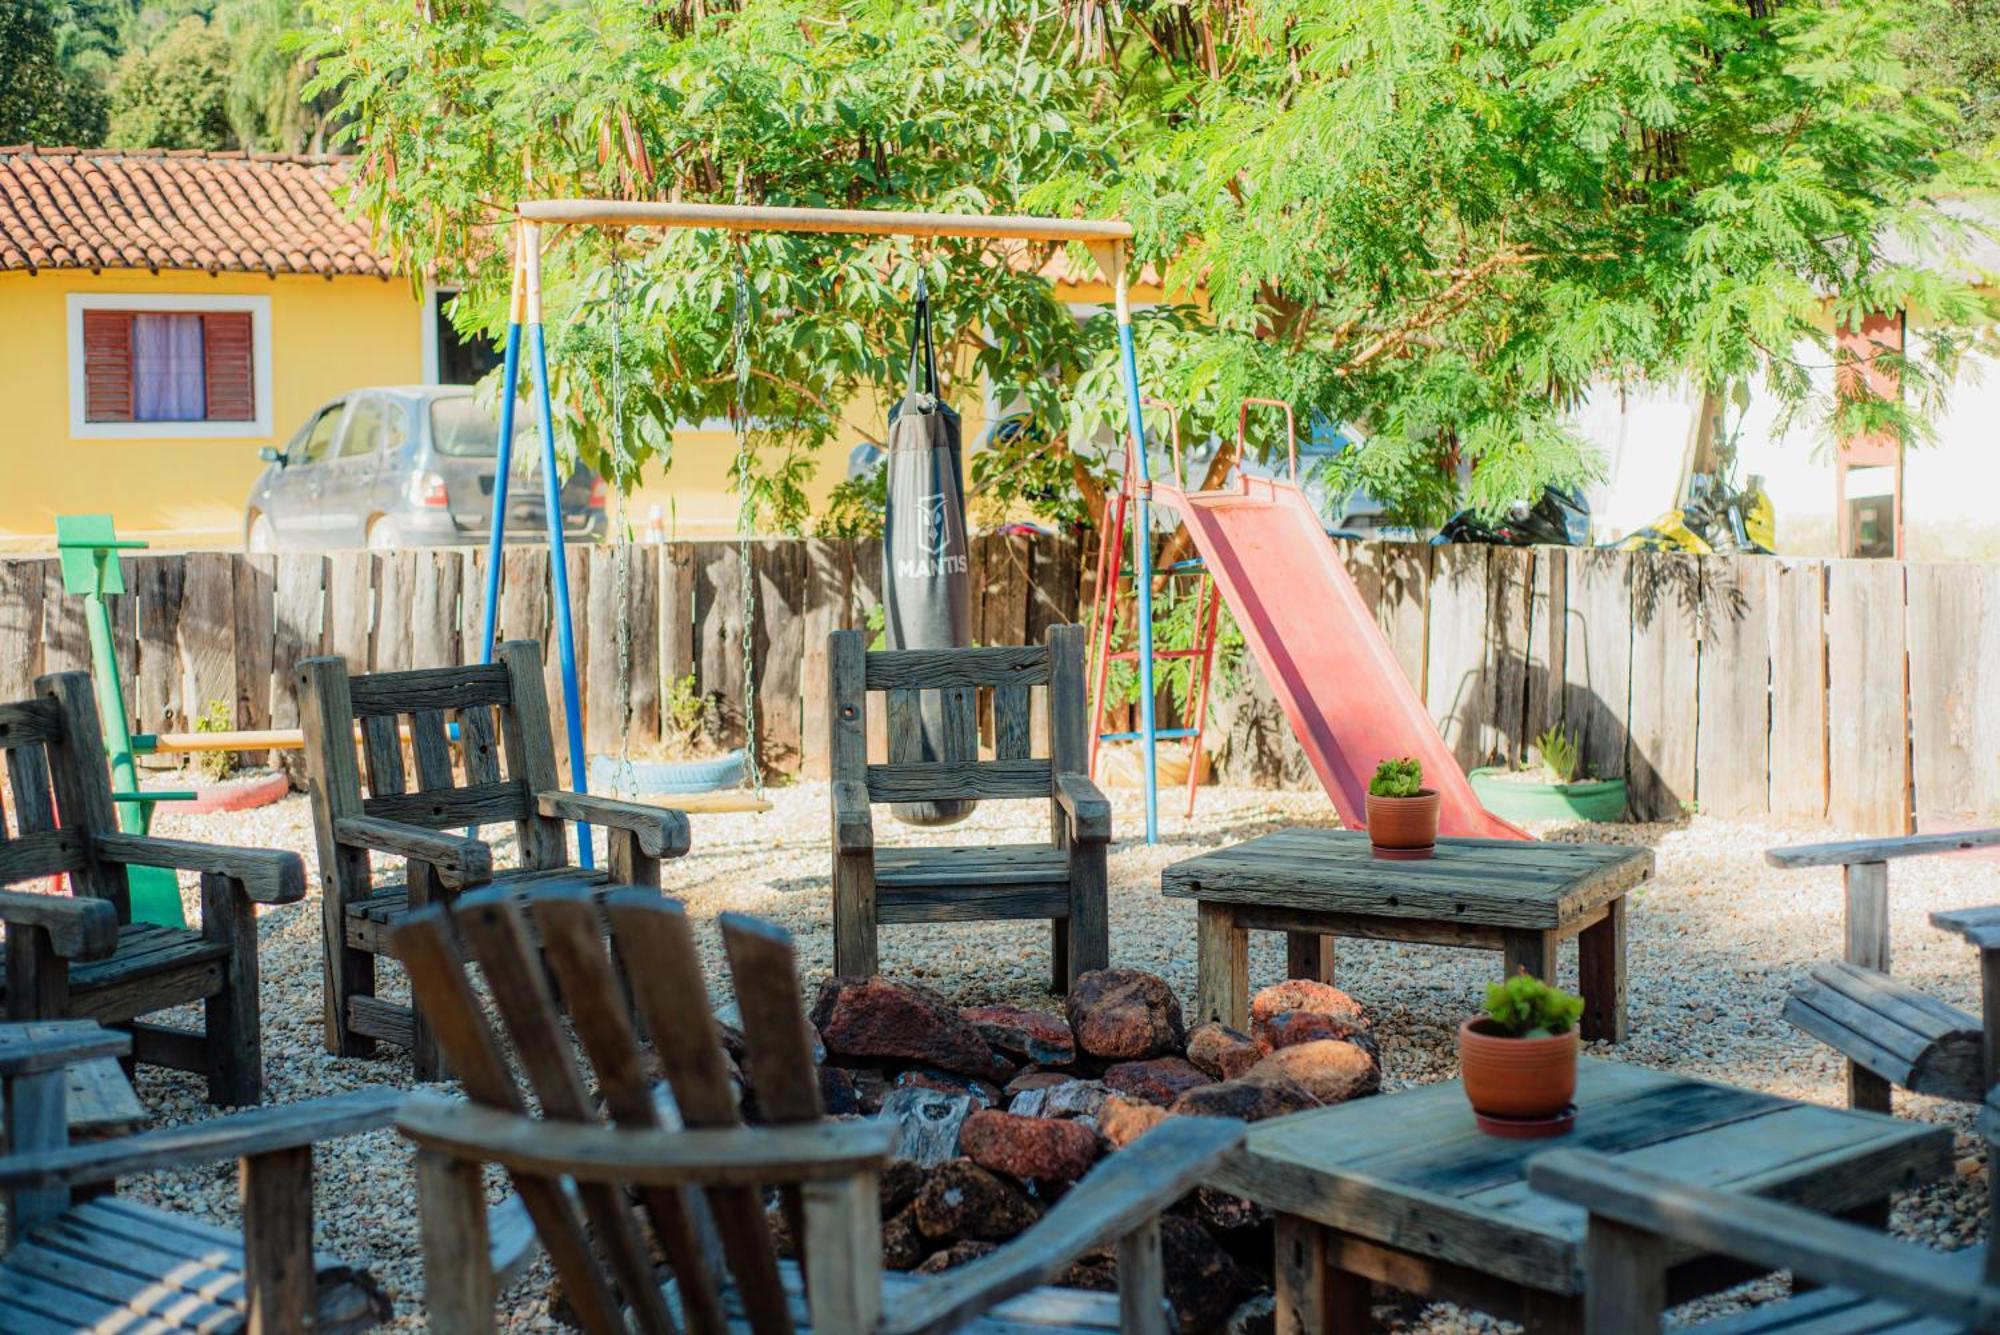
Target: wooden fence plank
[(434, 609), (1507, 650), (1733, 731), (1798, 691), (1868, 754), (524, 594), (677, 629), (864, 592), (208, 634), (1394, 578), (1548, 624), (65, 634), (1954, 694), (779, 646), (298, 631), (21, 592), (1666, 629), (395, 619), (576, 561), (718, 593), (823, 610), (1459, 690), (254, 591), (471, 601), (1597, 658), (155, 700), (350, 607)]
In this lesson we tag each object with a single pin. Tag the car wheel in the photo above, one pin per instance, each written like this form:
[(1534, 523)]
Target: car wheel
[(383, 535), (261, 537)]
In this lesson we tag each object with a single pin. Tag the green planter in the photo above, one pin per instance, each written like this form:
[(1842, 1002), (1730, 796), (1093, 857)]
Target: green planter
[(1511, 799)]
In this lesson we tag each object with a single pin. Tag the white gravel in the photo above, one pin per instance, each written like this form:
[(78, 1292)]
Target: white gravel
[(1714, 940)]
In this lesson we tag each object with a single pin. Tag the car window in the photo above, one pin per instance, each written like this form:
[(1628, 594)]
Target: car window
[(319, 437), (461, 429), (375, 425)]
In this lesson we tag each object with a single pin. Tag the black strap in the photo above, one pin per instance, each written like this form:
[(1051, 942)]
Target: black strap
[(923, 356)]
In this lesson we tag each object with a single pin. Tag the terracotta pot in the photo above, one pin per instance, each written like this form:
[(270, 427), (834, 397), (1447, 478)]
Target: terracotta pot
[(1403, 823), (1516, 1077)]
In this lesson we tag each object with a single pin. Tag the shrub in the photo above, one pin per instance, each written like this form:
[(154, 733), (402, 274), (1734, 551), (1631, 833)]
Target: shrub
[(1559, 756), (1397, 778), (1526, 1007)]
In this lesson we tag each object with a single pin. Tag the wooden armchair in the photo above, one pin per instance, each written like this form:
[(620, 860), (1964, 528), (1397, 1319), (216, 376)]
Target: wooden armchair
[(110, 1264), (588, 1186), (81, 955), (1062, 880), (1891, 1033), (1642, 1222), (500, 710)]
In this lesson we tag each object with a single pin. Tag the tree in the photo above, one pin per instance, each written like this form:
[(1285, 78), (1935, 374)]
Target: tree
[(269, 110), (173, 93), (1961, 38), (44, 98)]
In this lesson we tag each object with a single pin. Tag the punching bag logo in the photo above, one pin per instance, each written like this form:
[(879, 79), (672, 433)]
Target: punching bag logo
[(933, 533), (933, 536)]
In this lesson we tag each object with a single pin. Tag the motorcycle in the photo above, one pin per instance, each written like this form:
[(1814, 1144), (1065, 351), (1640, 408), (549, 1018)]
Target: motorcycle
[(1719, 517), (1559, 518)]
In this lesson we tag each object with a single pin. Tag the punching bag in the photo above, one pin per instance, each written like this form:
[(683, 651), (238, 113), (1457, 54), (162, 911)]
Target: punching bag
[(926, 559)]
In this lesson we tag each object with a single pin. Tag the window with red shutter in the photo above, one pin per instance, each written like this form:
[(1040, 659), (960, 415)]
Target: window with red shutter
[(107, 366), (228, 362), (154, 365)]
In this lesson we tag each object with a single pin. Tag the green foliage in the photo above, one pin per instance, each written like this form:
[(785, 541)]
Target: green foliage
[(857, 507), (45, 96), (1961, 40), (1526, 1007), (684, 714), (1175, 628), (1559, 754), (174, 94), (215, 765), (1397, 778)]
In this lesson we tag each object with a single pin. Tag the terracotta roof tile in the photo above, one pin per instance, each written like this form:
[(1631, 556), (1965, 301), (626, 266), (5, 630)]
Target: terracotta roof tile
[(68, 208)]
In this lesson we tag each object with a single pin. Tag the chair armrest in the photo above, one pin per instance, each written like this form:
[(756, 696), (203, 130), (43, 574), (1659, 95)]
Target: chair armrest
[(267, 875), (1088, 811), (458, 861), (1122, 1192), (76, 1041), (853, 826), (239, 1135), (79, 929), (1879, 850), (1765, 1233), (662, 831), (590, 1152)]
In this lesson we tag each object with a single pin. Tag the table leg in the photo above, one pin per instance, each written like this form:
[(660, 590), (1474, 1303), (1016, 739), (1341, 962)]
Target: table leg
[(1309, 955), (1600, 961), (1222, 966), (1313, 1296), (1551, 1313), (1534, 952)]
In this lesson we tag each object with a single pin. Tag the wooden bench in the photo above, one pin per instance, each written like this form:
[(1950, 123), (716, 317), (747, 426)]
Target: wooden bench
[(601, 1129), (1642, 1222), (81, 955), (1062, 880), (1891, 1033), (111, 1264), (505, 774)]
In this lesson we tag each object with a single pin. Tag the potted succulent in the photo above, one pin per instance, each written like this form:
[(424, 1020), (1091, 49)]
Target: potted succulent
[(1402, 813), (1518, 1058), (1552, 788)]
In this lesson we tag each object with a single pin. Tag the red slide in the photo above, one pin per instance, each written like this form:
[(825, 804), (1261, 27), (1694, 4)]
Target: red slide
[(1346, 697)]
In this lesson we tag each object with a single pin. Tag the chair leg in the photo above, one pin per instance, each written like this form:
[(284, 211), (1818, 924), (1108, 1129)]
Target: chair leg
[(1089, 930), (233, 1015), (278, 1277), (425, 1059), (854, 949), (344, 971), (458, 1274), (1142, 1302), (627, 865)]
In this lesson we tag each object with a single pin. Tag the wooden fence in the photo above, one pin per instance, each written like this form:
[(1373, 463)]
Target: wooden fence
[(1855, 693)]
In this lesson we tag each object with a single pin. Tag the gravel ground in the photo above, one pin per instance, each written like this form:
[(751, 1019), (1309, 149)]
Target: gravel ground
[(1714, 940)]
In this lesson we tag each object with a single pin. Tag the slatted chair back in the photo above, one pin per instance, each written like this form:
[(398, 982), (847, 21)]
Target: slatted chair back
[(1012, 683), (645, 980), (59, 792), (505, 752)]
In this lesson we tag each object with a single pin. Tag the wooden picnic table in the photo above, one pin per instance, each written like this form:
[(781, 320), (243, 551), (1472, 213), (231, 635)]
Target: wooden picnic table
[(1518, 897), (1404, 1189)]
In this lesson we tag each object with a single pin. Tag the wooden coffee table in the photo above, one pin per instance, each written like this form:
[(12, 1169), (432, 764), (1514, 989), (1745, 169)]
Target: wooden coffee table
[(1404, 1189), (1515, 896)]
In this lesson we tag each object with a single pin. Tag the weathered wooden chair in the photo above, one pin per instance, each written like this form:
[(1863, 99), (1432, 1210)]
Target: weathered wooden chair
[(81, 954), (500, 709), (826, 1171), (106, 1263), (1891, 1033), (1643, 1223), (1062, 880)]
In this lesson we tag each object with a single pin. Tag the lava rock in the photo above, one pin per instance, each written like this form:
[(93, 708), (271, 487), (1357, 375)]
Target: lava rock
[(1071, 1098), (1288, 1029), (956, 1255), (961, 1200), (1250, 1099), (1041, 1148), (1125, 1015), (903, 1247), (1302, 994), (1030, 1035), (873, 1017), (1222, 1052), (1332, 1070), (870, 1087), (901, 1180), (1202, 1280), (930, 1123), (1161, 1080), (982, 1092), (1124, 1120), (838, 1092), (1221, 1212)]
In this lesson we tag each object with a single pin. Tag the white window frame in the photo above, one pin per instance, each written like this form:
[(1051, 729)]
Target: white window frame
[(175, 303)]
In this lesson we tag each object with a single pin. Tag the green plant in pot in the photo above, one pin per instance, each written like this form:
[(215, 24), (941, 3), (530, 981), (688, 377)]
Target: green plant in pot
[(1552, 787), (1518, 1057), (1402, 813)]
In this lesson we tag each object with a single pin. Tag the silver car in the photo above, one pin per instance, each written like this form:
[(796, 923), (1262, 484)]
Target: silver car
[(409, 466)]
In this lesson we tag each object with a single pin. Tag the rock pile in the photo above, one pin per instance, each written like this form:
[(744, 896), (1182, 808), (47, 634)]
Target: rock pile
[(1004, 1108)]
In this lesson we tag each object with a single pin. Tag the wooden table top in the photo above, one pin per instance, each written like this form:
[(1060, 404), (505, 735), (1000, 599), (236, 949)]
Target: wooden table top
[(1413, 1171), (1491, 882), (97, 1097)]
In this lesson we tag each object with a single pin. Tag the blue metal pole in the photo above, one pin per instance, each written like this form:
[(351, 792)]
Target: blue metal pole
[(503, 468), (1142, 547), (558, 564)]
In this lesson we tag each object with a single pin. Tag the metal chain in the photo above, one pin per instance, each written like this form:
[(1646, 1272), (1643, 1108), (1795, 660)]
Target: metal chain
[(619, 521), (746, 516)]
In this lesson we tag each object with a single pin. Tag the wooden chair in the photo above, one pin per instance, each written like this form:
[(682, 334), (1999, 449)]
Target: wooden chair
[(1062, 880), (635, 1168), (500, 710), (104, 1263), (81, 955), (1641, 1223), (1891, 1033)]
